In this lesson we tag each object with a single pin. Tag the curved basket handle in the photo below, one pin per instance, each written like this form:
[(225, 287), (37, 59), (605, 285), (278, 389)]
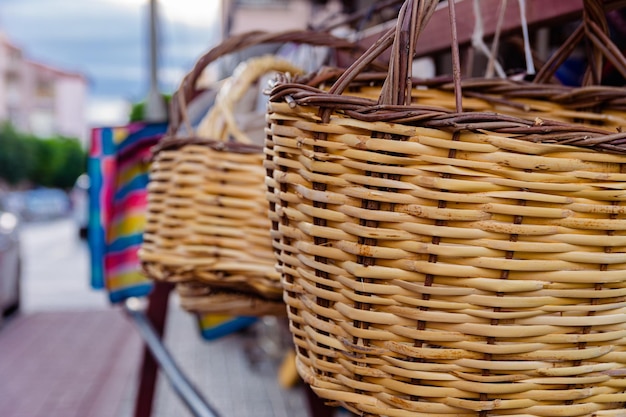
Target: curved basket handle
[(220, 123), (187, 89), (595, 29), (413, 17)]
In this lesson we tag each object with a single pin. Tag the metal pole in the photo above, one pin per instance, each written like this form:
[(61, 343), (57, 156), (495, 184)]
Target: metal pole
[(192, 398), (155, 110), (156, 313)]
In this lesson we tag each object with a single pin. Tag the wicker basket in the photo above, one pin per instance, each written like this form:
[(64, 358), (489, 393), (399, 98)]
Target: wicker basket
[(206, 220), (453, 263)]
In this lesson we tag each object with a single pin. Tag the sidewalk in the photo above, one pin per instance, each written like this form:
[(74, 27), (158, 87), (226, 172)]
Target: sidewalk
[(71, 354), (235, 381), (66, 364), (85, 364)]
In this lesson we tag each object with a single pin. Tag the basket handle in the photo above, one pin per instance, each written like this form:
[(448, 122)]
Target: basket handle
[(187, 88), (220, 123), (595, 29), (412, 18)]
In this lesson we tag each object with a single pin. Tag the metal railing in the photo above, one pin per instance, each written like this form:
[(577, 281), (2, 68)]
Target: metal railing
[(187, 392)]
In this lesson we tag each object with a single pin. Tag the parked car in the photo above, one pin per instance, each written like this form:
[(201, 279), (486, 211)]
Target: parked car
[(13, 202), (10, 263), (80, 204), (45, 204)]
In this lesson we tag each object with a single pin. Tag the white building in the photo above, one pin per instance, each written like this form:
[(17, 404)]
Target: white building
[(40, 99)]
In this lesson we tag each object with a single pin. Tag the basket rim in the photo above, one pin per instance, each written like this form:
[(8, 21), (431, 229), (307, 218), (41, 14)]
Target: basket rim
[(295, 92), (176, 142)]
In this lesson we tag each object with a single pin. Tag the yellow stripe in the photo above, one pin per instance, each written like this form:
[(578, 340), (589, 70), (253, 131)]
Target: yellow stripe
[(119, 134), (129, 225), (125, 280), (212, 320), (126, 175)]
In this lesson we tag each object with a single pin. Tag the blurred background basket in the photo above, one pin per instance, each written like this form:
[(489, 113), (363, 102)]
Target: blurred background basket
[(207, 226), (450, 260)]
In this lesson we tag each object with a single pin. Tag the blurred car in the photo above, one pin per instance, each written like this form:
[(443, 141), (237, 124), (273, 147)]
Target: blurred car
[(80, 204), (10, 263), (45, 204), (12, 202)]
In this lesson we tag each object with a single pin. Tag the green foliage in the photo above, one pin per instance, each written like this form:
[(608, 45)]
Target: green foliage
[(138, 109), (16, 158), (50, 162), (136, 112), (74, 162)]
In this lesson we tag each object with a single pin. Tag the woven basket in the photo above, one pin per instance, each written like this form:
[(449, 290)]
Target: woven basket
[(453, 263), (207, 213), (200, 298)]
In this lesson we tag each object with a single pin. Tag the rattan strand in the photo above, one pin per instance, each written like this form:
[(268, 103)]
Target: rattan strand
[(207, 224), (207, 212), (218, 225), (198, 298), (437, 263), (503, 257)]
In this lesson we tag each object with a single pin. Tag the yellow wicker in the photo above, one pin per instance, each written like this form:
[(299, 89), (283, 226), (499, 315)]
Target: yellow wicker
[(444, 263), (206, 222), (201, 298)]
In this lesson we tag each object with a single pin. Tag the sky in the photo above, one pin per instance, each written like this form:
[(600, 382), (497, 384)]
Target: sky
[(107, 41)]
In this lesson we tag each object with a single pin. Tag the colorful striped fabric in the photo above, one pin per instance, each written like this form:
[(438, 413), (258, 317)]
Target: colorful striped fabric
[(118, 171), (215, 326)]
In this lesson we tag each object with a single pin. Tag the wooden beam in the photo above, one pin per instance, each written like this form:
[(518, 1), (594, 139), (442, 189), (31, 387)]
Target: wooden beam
[(436, 36)]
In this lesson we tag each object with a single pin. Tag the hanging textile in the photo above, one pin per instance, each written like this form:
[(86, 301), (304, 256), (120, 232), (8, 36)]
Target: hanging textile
[(118, 171)]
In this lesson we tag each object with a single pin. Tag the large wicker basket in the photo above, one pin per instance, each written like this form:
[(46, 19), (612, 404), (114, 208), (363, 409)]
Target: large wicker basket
[(206, 226), (443, 262)]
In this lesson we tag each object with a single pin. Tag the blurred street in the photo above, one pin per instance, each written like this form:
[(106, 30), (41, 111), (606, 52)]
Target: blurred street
[(69, 353), (56, 269)]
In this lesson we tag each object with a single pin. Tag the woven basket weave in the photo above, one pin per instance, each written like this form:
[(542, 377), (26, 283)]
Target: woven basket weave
[(453, 263), (206, 218)]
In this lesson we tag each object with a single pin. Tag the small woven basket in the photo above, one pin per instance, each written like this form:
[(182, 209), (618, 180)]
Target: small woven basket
[(448, 262), (206, 222)]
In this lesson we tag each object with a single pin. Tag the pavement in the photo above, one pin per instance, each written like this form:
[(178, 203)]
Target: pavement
[(236, 374), (69, 353), (66, 364), (86, 364)]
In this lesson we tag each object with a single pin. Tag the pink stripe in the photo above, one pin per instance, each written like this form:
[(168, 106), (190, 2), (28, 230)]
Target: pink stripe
[(129, 256), (95, 148), (135, 127), (135, 200), (138, 157), (108, 189)]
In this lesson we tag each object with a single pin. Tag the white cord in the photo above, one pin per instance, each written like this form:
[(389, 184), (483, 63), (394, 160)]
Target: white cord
[(530, 66), (479, 43), (496, 40)]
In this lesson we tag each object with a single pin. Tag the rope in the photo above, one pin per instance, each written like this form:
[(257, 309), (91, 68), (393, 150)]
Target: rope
[(530, 66), (456, 60), (496, 40), (479, 43)]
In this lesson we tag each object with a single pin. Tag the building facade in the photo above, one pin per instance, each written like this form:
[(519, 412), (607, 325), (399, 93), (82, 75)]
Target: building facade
[(277, 15), (40, 99)]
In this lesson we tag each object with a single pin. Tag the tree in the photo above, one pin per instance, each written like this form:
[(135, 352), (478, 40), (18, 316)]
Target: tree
[(74, 162), (138, 109), (59, 162), (29, 160), (17, 157)]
